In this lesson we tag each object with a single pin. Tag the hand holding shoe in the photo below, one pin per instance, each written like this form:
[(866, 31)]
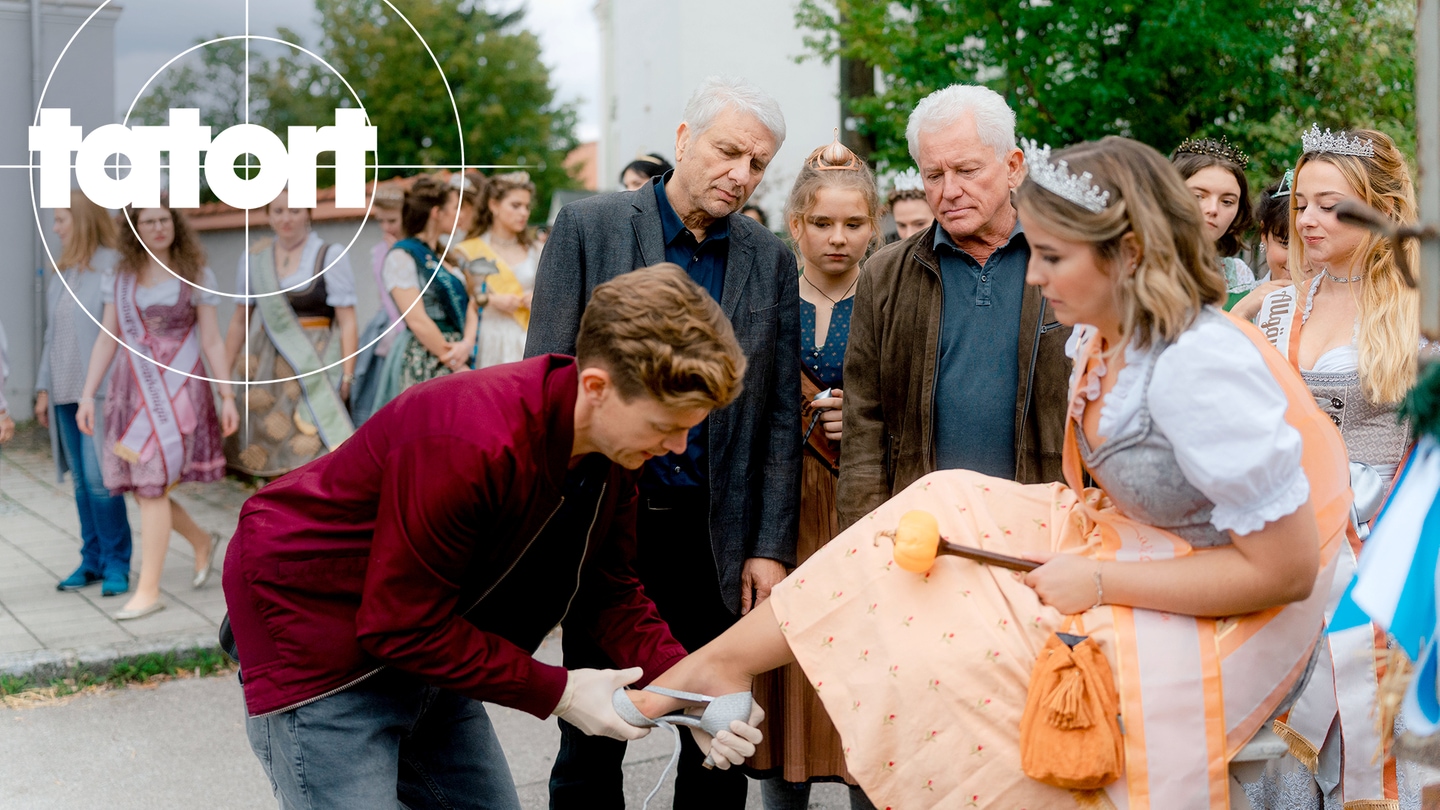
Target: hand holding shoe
[(588, 704), (732, 747)]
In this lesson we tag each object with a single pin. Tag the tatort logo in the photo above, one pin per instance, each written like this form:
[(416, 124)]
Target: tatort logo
[(56, 140)]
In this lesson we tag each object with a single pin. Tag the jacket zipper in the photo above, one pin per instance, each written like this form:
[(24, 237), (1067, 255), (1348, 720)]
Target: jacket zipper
[(584, 551), (372, 672)]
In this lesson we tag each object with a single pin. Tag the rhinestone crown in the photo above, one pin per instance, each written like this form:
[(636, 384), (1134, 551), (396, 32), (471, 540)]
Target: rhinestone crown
[(1057, 178)]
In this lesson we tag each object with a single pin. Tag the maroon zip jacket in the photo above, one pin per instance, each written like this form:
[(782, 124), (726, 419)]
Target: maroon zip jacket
[(421, 543)]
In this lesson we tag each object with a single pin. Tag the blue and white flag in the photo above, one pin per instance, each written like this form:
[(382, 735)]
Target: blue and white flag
[(1395, 586)]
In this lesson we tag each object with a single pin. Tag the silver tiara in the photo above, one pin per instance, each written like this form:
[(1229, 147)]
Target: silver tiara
[(1341, 144), (908, 180), (1057, 179)]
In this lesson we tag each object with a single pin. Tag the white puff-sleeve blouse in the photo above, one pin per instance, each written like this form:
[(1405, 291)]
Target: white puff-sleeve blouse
[(1212, 396)]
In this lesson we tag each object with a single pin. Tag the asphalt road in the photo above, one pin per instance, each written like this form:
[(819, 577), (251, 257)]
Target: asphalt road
[(182, 744)]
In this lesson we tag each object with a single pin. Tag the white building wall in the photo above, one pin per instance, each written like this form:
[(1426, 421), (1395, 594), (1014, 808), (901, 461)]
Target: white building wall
[(655, 52), (85, 83)]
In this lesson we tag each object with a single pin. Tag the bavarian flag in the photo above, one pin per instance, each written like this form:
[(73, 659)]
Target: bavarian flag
[(1395, 584)]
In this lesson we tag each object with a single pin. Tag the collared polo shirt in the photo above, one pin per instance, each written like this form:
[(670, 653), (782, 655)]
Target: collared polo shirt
[(979, 367), (705, 262)]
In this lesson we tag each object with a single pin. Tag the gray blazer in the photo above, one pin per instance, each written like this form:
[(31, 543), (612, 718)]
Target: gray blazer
[(87, 288), (754, 447)]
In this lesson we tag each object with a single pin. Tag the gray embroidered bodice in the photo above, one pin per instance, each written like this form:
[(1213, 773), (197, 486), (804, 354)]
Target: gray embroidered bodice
[(1373, 433), (1139, 472)]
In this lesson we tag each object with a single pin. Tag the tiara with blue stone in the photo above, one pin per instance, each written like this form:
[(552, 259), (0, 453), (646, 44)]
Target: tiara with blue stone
[(1056, 178), (1337, 144)]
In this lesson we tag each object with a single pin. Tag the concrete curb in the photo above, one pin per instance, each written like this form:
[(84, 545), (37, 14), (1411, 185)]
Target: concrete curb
[(43, 664)]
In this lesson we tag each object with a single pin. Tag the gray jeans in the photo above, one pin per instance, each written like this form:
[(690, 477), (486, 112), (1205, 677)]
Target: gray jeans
[(389, 742)]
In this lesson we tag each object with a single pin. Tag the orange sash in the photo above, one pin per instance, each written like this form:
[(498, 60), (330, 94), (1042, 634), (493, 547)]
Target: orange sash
[(1193, 691)]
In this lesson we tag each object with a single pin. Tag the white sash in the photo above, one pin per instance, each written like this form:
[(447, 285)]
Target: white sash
[(1277, 315), (168, 414)]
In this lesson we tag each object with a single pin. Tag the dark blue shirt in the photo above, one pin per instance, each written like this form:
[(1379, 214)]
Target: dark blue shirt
[(705, 262), (979, 365), (826, 362)]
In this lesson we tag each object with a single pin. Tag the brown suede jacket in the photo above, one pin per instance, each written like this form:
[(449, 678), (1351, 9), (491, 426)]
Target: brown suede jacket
[(890, 370)]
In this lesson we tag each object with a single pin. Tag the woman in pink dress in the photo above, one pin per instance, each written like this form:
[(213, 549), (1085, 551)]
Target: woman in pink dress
[(160, 421)]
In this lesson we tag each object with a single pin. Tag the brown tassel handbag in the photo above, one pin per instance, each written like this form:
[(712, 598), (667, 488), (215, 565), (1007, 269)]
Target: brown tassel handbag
[(1070, 733)]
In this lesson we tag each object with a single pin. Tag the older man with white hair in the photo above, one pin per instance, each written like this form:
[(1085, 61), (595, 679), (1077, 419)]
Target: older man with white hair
[(953, 362), (717, 523)]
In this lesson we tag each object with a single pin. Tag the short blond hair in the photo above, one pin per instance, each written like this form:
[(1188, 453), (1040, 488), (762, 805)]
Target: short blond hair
[(661, 335), (1178, 272)]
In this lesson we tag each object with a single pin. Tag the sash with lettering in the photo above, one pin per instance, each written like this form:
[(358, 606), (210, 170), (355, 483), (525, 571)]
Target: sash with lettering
[(1277, 317), (285, 331), (169, 414), (1345, 682)]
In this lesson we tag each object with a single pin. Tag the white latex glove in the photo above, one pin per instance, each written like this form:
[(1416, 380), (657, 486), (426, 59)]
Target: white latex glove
[(586, 702), (734, 746)]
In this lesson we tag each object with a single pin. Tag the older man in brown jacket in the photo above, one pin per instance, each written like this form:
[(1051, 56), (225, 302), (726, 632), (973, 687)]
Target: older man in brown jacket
[(953, 361)]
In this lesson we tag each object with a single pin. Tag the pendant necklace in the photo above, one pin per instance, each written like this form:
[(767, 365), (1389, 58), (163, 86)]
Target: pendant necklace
[(834, 302)]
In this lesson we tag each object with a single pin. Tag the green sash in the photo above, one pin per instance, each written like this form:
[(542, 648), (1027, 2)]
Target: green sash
[(284, 330)]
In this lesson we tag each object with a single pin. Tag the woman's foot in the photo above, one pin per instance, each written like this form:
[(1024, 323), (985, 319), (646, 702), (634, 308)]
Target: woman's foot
[(206, 565), (137, 609)]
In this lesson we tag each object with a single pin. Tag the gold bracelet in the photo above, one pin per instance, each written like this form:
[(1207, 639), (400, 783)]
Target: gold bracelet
[(1099, 588)]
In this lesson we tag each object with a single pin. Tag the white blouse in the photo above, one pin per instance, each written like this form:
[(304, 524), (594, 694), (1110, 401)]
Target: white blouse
[(400, 271), (339, 279), (1212, 396), (167, 292)]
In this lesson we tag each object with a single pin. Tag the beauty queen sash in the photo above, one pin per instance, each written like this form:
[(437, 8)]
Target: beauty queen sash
[(285, 331), (1193, 690), (1277, 317), (1346, 679), (168, 415)]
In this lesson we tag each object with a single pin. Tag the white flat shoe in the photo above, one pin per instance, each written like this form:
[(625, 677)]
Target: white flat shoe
[(140, 613), (203, 575)]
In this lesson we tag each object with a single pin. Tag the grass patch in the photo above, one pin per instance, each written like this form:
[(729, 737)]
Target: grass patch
[(150, 669)]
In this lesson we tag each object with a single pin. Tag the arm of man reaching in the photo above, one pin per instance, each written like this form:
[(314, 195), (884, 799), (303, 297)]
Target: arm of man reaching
[(626, 626), (432, 498)]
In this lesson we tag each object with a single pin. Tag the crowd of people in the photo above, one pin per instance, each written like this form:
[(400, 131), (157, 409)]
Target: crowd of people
[(695, 447)]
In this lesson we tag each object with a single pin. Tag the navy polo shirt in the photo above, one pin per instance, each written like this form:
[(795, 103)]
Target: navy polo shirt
[(978, 376), (705, 262)]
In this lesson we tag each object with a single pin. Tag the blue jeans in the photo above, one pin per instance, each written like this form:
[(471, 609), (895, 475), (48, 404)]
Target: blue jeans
[(104, 528), (385, 739)]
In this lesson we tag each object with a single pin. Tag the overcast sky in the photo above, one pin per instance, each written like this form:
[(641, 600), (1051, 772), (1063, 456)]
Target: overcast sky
[(151, 32)]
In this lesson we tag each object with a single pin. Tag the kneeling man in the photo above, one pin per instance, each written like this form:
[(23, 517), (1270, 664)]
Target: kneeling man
[(379, 593)]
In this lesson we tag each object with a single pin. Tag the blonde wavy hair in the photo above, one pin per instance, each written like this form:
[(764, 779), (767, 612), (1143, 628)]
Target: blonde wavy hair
[(91, 229), (1178, 273), (1389, 308)]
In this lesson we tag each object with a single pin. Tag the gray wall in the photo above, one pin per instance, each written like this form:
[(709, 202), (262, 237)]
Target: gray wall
[(85, 83)]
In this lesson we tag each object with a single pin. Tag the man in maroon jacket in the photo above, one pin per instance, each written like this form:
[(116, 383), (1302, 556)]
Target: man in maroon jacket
[(378, 594)]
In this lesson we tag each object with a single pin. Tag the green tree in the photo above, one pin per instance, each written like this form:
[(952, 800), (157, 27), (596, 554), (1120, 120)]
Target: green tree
[(210, 79), (1257, 71), (501, 87)]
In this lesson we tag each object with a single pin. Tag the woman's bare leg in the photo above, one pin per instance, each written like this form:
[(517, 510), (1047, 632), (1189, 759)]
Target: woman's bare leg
[(200, 540), (154, 542), (727, 664)]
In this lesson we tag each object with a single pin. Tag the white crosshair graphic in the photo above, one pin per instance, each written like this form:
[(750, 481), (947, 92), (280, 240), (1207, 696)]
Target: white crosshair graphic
[(243, 309)]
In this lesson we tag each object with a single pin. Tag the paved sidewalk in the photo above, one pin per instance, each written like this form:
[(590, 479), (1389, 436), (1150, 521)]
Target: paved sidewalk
[(43, 630)]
